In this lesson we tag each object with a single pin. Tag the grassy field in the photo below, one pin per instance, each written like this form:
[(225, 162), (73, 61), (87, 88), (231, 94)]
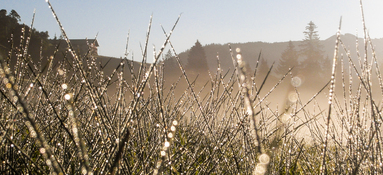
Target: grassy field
[(78, 120)]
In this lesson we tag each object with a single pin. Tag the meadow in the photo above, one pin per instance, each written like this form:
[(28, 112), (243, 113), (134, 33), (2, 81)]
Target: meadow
[(72, 118)]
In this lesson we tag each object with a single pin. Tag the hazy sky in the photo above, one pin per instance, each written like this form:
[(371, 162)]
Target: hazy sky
[(214, 21)]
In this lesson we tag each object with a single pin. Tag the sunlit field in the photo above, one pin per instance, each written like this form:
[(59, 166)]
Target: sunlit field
[(67, 116)]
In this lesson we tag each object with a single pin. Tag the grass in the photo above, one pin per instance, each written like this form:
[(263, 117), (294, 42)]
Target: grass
[(63, 121)]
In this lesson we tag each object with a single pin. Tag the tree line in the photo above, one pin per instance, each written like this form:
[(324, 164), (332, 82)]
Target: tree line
[(14, 35), (307, 59)]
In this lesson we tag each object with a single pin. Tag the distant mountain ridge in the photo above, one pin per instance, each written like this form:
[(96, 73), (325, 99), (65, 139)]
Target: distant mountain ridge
[(272, 51)]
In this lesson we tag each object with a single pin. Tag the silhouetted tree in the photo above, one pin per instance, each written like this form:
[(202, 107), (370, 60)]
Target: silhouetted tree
[(289, 59), (327, 67), (197, 59), (14, 15), (3, 13), (171, 66), (311, 51), (263, 67), (169, 60), (9, 24)]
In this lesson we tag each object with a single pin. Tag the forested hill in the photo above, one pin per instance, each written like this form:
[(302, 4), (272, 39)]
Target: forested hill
[(310, 55), (12, 32), (272, 52)]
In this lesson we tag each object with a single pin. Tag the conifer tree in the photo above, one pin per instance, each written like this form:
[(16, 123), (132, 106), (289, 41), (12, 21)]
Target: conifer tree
[(170, 63), (10, 28), (311, 51), (289, 59), (197, 59), (263, 67), (327, 67)]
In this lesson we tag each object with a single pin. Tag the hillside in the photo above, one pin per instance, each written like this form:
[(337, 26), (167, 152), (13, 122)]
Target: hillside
[(272, 51)]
